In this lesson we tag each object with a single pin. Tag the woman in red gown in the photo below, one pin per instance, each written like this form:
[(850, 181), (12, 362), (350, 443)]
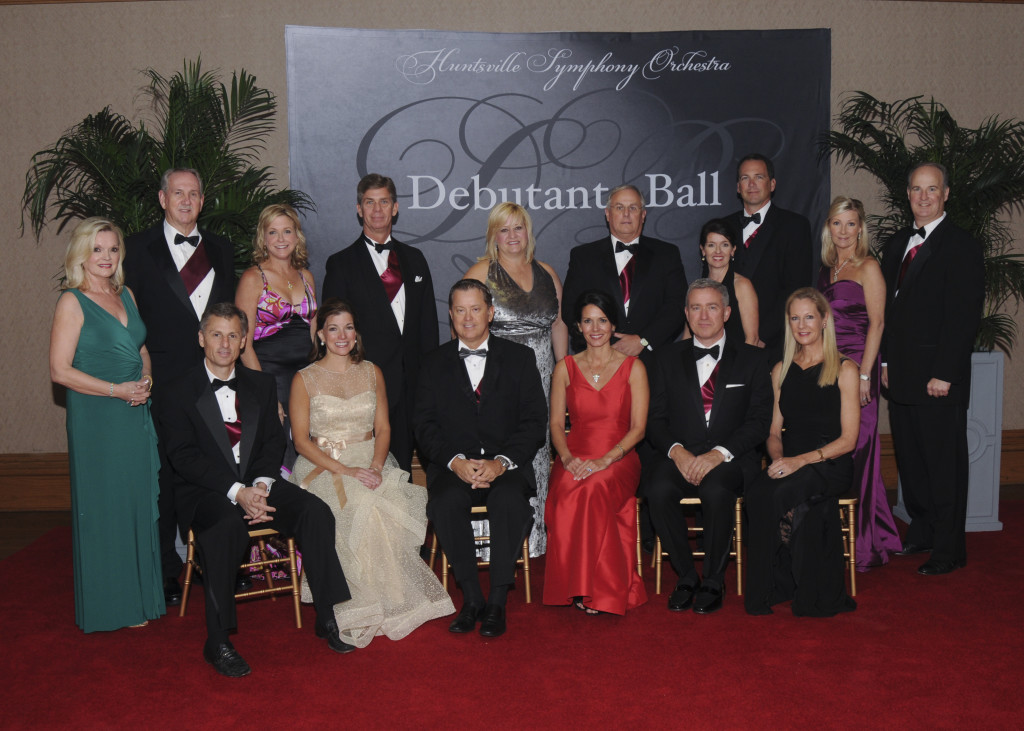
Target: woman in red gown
[(591, 505)]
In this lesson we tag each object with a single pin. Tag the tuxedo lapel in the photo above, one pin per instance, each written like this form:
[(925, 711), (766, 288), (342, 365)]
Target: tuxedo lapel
[(725, 366), (165, 265), (492, 369), (762, 238), (374, 287), (458, 371), (249, 415), (930, 245), (209, 411), (691, 383)]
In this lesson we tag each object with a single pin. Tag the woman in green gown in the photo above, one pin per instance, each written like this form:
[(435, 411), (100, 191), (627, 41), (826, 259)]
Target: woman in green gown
[(97, 352)]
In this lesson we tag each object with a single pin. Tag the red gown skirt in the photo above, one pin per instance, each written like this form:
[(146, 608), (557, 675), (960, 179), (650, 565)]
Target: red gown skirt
[(592, 522)]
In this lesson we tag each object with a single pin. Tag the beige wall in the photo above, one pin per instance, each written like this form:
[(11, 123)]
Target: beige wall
[(62, 62)]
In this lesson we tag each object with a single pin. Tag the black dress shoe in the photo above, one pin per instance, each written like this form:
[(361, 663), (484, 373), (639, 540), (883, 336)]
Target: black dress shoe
[(936, 568), (682, 597), (492, 622), (708, 600), (909, 549), (329, 631), (243, 583), (226, 660), (172, 592), (466, 621)]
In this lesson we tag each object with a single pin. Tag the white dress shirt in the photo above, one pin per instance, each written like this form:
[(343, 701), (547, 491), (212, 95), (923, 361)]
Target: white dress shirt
[(705, 367), (621, 260), (181, 253), (380, 261), (751, 227)]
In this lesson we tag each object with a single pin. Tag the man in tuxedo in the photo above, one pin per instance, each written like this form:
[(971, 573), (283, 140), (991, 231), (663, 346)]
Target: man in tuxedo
[(388, 284), (224, 445), (175, 270), (935, 283), (645, 276), (480, 418), (776, 253), (711, 406)]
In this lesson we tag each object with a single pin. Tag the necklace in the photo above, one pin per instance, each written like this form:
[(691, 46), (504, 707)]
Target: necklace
[(836, 270), (596, 375)]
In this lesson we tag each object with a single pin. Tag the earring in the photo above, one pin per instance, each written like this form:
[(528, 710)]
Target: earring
[(322, 342)]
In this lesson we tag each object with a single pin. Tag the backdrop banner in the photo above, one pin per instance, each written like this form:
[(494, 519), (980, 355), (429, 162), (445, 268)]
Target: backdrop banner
[(462, 121)]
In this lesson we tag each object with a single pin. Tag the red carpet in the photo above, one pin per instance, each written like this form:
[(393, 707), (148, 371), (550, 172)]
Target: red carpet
[(919, 652)]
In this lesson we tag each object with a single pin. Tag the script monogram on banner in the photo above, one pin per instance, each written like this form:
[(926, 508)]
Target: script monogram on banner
[(552, 121)]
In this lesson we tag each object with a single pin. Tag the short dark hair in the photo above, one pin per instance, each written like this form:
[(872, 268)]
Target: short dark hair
[(227, 310), (769, 165), (464, 285), (599, 299), (329, 308), (937, 165), (375, 180)]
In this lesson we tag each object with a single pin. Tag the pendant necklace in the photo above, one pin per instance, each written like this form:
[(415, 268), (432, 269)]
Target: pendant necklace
[(836, 270)]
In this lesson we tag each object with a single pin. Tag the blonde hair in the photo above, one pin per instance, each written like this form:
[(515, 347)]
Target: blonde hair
[(831, 358), (300, 254), (497, 218), (83, 238), (842, 204)]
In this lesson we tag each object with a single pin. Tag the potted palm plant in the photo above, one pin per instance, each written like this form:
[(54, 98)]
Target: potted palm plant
[(108, 166), (986, 172)]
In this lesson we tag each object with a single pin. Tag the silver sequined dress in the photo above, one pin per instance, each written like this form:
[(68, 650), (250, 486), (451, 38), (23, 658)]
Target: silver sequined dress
[(526, 318)]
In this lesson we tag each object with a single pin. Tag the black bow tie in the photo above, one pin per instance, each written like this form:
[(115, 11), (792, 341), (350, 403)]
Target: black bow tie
[(620, 247), (218, 384), (466, 352), (756, 218), (193, 240), (699, 353), (379, 247), (920, 232)]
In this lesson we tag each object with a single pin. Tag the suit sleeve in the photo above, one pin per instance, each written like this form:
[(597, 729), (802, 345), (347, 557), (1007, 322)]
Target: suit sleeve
[(428, 335), (529, 434), (666, 325), (658, 431), (757, 423), (797, 259), (334, 279), (430, 438), (270, 441), (961, 313)]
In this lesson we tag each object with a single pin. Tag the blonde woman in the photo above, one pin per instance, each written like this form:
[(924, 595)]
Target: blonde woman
[(527, 299), (98, 352), (852, 282), (794, 538)]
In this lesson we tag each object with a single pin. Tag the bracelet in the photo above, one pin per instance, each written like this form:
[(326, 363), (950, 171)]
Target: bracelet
[(149, 380), (621, 450), (111, 389), (865, 377), (822, 455)]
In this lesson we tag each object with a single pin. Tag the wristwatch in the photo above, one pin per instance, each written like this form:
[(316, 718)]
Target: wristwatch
[(644, 343), (505, 462)]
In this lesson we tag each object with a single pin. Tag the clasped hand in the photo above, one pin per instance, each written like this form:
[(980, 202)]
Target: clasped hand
[(137, 392), (479, 473), (581, 469), (254, 502), (695, 468)]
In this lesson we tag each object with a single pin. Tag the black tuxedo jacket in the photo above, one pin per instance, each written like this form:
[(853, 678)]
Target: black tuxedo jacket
[(741, 411), (778, 262), (171, 321), (352, 276), (930, 324), (658, 293), (511, 418), (196, 441)]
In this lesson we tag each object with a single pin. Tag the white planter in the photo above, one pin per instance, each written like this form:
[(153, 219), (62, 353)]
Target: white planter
[(984, 444)]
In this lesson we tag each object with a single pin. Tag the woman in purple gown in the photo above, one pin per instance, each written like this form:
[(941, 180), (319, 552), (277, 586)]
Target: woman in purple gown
[(852, 281)]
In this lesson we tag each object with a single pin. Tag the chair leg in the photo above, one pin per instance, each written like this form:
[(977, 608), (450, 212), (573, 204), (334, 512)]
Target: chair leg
[(267, 574), (433, 551), (851, 511), (189, 564), (293, 568), (657, 565), (738, 539), (526, 569), (639, 557), (444, 571)]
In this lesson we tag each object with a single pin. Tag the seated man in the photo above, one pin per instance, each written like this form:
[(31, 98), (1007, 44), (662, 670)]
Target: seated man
[(223, 439), (711, 406), (480, 417)]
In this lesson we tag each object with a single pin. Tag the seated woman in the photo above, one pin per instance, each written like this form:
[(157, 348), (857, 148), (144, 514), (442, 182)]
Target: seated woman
[(794, 539), (339, 416), (591, 505)]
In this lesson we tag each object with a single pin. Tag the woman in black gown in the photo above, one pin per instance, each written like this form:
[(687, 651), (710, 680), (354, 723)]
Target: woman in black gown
[(795, 541)]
